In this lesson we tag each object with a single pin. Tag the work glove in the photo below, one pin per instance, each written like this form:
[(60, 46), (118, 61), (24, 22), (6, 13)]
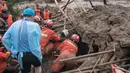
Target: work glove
[(66, 32)]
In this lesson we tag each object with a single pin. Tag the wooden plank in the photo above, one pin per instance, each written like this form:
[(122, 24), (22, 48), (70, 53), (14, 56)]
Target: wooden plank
[(97, 70), (100, 57), (99, 65), (85, 56)]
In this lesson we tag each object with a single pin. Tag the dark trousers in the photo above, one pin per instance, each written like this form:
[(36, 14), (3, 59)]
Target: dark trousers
[(28, 60)]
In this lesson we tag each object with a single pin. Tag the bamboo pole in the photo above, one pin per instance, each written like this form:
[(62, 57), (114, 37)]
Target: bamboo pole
[(97, 70), (66, 17), (85, 56), (60, 9), (78, 5), (91, 3), (123, 69), (96, 64), (99, 65), (66, 5), (105, 2)]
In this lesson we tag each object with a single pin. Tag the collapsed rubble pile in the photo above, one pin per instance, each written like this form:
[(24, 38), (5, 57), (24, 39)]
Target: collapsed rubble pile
[(103, 28)]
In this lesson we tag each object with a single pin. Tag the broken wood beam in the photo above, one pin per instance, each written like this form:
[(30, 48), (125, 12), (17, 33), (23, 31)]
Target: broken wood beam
[(99, 65), (97, 70), (60, 9), (73, 10), (56, 16), (66, 5), (91, 3), (123, 69), (65, 15), (105, 2), (83, 8), (57, 26), (60, 25), (96, 64), (88, 55), (78, 6)]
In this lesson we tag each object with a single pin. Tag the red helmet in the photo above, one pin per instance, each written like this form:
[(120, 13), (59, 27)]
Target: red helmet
[(49, 23), (37, 18), (75, 37)]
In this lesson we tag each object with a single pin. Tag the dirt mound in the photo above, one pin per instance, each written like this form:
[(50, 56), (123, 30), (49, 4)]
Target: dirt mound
[(105, 24)]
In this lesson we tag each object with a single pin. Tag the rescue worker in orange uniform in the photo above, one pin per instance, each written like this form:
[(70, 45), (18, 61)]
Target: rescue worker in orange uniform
[(4, 13), (47, 35), (3, 58), (3, 5), (68, 48), (37, 10), (46, 14), (6, 16)]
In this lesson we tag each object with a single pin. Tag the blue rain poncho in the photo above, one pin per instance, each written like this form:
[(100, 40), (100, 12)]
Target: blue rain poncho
[(23, 36)]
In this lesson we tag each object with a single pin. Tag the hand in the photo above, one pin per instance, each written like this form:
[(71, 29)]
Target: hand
[(66, 32)]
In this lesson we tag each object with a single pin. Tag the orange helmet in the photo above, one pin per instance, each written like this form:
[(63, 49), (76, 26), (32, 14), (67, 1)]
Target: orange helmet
[(75, 37), (49, 23)]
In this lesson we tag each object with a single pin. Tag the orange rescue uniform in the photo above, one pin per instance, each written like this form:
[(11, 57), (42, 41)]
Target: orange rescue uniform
[(9, 20), (47, 35), (3, 64), (37, 11), (46, 14), (67, 49), (4, 6)]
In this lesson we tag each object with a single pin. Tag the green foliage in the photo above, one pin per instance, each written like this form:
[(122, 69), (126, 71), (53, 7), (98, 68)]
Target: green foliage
[(128, 0), (10, 4)]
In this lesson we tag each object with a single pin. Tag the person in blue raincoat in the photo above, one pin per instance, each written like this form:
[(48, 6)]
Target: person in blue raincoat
[(23, 40)]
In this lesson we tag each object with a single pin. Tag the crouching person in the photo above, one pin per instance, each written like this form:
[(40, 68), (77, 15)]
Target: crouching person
[(47, 35), (23, 40), (68, 48)]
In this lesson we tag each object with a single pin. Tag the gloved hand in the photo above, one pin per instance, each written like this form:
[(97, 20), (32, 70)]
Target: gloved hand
[(8, 52), (66, 32)]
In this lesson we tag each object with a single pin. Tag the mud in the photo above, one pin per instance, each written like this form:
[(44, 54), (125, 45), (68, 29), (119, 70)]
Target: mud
[(105, 23)]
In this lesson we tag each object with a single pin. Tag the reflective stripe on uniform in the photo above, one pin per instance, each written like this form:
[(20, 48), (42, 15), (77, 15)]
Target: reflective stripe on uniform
[(71, 43), (44, 35)]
